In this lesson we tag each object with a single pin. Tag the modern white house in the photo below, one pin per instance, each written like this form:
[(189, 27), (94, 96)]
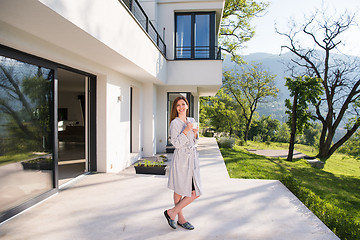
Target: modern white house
[(86, 85)]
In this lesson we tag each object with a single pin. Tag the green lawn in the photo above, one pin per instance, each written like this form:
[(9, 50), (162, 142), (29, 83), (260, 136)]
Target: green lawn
[(12, 158), (338, 183)]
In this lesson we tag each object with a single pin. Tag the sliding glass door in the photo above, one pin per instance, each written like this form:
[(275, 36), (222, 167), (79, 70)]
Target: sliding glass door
[(26, 131), (30, 95)]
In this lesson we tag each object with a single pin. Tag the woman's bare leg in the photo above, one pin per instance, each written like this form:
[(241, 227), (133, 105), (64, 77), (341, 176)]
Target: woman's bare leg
[(177, 199), (181, 204)]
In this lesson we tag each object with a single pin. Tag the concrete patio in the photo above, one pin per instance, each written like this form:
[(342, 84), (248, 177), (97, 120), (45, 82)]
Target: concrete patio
[(129, 206)]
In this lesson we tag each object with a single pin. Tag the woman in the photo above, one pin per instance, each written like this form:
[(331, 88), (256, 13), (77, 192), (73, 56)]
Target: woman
[(184, 176)]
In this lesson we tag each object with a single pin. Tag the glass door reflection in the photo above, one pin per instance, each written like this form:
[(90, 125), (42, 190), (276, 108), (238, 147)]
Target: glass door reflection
[(26, 135)]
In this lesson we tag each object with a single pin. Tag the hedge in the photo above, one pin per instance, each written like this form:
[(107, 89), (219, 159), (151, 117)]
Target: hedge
[(333, 217)]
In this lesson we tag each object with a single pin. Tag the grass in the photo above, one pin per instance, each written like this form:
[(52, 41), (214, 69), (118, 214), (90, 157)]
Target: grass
[(343, 164), (338, 183), (12, 158)]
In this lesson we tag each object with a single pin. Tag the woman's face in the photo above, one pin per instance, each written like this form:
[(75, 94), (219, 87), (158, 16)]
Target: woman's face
[(181, 107)]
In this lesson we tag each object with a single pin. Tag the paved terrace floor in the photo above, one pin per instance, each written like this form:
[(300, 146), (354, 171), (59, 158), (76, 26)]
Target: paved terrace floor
[(129, 206)]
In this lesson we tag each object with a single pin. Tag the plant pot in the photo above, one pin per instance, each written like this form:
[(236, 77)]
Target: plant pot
[(38, 164), (158, 170), (30, 166), (170, 149)]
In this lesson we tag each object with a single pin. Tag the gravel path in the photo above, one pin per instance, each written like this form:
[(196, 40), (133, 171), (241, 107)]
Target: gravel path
[(276, 153)]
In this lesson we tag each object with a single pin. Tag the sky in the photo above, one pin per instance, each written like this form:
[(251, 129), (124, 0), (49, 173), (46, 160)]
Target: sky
[(266, 40)]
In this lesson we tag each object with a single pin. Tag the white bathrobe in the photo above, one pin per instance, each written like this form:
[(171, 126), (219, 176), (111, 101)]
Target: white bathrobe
[(185, 163)]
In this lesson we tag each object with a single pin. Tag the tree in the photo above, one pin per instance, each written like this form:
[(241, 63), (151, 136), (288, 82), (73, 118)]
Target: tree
[(25, 103), (304, 90), (283, 133), (235, 27), (339, 73), (220, 112), (264, 128), (311, 134), (249, 88)]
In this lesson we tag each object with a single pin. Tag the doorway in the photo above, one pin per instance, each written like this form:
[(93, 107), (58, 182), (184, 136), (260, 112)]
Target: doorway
[(171, 96), (72, 125)]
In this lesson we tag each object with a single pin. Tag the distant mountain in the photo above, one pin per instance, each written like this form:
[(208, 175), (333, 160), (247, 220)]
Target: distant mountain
[(276, 65), (272, 63)]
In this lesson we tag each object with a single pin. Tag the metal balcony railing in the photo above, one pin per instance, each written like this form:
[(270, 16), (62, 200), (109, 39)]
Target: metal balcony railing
[(198, 52), (139, 13)]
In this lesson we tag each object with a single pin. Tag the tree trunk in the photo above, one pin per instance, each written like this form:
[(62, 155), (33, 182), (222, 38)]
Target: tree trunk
[(323, 151), (324, 146), (246, 131), (334, 147), (293, 129), (326, 149), (8, 110)]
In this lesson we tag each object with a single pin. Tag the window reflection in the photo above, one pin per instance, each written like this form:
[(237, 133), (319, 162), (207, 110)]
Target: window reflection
[(202, 36), (183, 36), (26, 162)]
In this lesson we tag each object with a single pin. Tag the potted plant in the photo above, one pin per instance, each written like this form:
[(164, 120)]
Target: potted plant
[(38, 164), (163, 158), (150, 167)]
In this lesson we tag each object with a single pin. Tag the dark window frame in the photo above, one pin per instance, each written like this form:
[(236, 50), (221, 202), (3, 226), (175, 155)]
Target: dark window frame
[(212, 45), (131, 119)]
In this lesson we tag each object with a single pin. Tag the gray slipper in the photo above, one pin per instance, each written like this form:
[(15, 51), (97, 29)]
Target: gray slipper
[(186, 225), (170, 221)]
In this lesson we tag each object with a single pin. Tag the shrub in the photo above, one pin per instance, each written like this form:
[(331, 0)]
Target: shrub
[(268, 139), (332, 216), (257, 138), (208, 134), (226, 142), (239, 141)]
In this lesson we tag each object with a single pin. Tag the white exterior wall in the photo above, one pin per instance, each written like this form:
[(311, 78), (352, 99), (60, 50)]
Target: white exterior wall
[(150, 7), (161, 117), (118, 122), (110, 23), (149, 119), (205, 74)]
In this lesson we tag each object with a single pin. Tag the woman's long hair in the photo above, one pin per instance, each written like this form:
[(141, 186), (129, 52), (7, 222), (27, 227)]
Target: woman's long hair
[(174, 112)]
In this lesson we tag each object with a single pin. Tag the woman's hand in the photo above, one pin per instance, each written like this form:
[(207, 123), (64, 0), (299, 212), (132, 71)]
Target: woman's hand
[(189, 127), (196, 130)]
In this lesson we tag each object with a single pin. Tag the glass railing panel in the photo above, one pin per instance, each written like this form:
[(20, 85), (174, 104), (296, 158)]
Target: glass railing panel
[(198, 52)]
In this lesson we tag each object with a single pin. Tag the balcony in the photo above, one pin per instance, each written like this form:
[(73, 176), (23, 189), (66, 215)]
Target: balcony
[(140, 15), (198, 53)]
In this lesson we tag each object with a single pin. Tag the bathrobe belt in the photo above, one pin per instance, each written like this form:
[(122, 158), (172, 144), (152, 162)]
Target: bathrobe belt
[(189, 150)]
